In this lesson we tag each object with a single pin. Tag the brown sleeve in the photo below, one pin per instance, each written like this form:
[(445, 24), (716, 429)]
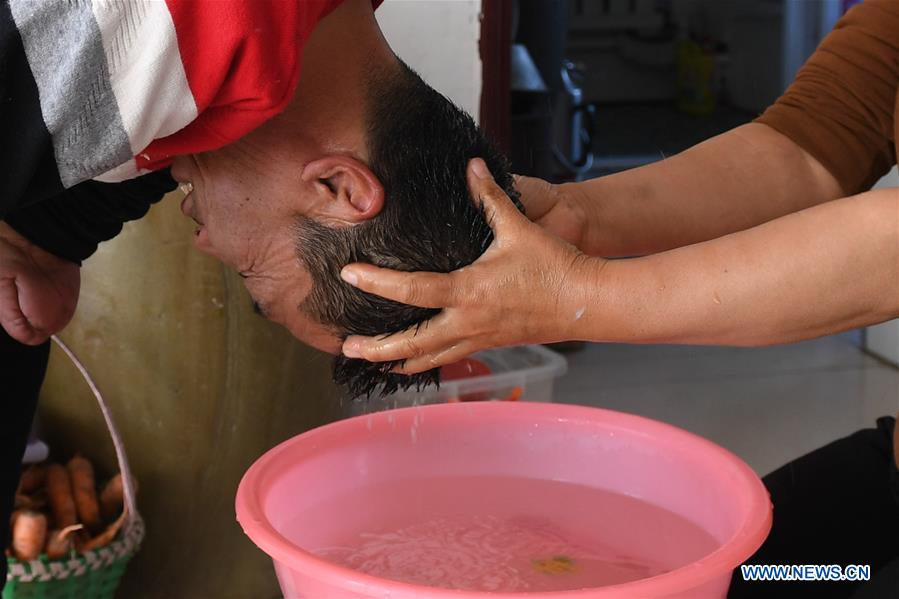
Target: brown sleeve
[(840, 109)]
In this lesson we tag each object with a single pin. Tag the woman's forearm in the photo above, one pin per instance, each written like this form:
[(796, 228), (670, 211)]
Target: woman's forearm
[(823, 270), (737, 180)]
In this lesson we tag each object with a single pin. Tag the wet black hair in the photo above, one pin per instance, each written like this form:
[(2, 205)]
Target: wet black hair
[(419, 147)]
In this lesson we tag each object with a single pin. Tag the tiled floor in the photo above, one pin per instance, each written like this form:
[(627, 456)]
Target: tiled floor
[(767, 405)]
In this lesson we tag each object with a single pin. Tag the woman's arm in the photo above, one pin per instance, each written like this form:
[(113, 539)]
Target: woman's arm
[(821, 270), (830, 135), (737, 180)]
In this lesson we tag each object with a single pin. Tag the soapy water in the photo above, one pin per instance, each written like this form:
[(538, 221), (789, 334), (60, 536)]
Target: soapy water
[(499, 534), (487, 554)]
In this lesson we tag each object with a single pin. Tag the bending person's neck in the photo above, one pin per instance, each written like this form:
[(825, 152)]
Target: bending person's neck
[(328, 108)]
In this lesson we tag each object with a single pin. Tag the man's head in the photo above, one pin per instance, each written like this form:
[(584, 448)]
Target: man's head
[(364, 168), (419, 146)]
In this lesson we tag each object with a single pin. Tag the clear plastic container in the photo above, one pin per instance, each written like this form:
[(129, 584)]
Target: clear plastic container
[(525, 373)]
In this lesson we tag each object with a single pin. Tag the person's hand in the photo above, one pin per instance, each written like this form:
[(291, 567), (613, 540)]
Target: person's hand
[(38, 291), (553, 207), (528, 287)]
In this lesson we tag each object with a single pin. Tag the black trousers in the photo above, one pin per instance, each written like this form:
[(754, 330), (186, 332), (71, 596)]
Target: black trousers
[(836, 505), (22, 370)]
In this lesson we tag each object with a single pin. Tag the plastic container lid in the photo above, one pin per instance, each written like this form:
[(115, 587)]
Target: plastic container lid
[(510, 368)]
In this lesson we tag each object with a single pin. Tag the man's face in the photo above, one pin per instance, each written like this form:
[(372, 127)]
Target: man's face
[(246, 203)]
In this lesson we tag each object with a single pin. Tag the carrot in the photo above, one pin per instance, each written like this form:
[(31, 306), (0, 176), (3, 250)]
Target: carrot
[(60, 543), (28, 534), (32, 478), (112, 498), (59, 491), (84, 492), (36, 501), (106, 537), (515, 395), (39, 499)]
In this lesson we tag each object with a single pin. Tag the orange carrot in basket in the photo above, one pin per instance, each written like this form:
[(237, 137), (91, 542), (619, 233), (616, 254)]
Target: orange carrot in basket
[(59, 492), (112, 498), (31, 479), (36, 501), (106, 537), (84, 492), (28, 533), (60, 543)]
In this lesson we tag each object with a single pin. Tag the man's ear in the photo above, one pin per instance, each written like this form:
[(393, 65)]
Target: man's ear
[(346, 189)]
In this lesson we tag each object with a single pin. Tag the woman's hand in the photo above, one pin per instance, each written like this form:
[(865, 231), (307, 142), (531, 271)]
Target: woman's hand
[(38, 291), (552, 207), (526, 288)]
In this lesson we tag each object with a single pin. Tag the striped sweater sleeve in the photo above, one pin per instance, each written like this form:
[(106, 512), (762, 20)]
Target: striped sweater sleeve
[(112, 89), (33, 200), (97, 92), (74, 222)]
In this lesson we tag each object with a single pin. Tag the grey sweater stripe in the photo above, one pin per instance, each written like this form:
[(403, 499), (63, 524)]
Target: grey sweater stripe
[(65, 52)]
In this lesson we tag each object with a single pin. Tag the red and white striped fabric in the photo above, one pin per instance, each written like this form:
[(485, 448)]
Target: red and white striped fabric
[(125, 85)]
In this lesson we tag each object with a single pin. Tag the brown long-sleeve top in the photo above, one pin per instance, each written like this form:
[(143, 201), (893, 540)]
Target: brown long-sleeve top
[(843, 107)]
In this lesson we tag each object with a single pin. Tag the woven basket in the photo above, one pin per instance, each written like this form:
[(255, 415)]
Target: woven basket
[(92, 574)]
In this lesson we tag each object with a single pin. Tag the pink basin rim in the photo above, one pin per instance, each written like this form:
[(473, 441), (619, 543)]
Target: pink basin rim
[(742, 544)]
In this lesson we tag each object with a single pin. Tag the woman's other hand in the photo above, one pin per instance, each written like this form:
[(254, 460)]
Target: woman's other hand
[(553, 208)]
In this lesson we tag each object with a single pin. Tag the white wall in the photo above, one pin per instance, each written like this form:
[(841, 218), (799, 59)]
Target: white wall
[(439, 39), (883, 339)]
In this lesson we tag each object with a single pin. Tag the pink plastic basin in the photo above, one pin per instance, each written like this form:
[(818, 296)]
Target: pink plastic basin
[(627, 454)]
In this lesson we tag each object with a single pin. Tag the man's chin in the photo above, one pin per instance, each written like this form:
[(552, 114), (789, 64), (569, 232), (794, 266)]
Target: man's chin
[(201, 239)]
